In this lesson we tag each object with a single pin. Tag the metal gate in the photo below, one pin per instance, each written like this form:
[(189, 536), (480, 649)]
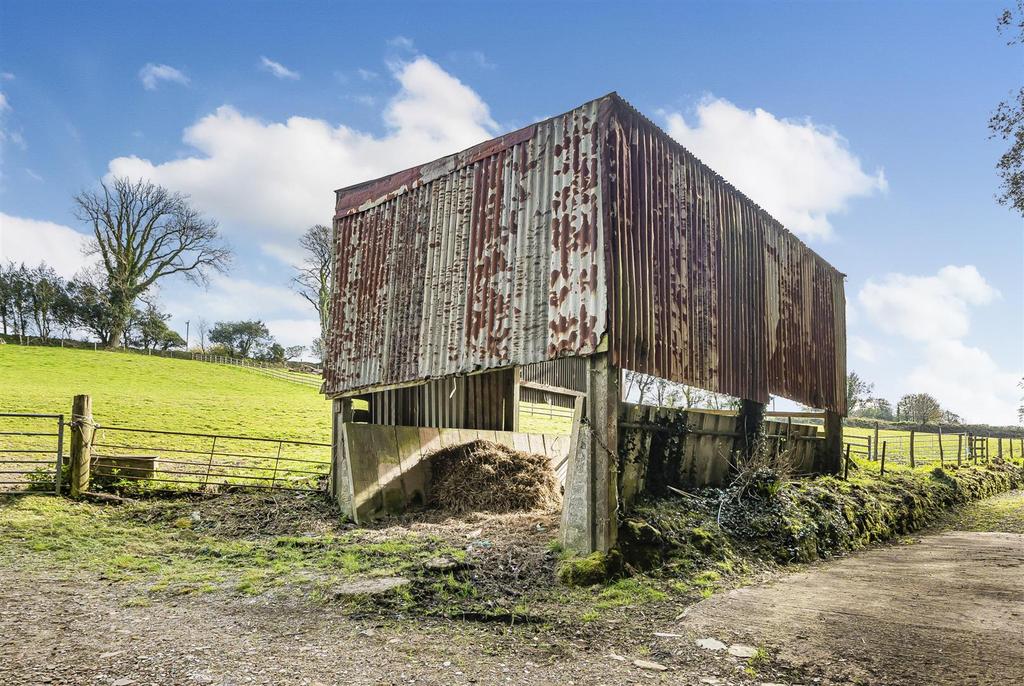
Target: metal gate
[(31, 452)]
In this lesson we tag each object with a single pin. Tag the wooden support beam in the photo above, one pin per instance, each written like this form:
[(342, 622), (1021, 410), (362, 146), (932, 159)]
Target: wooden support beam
[(832, 454), (517, 384)]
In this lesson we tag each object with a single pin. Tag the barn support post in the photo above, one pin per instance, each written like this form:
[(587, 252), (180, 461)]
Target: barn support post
[(82, 430), (591, 503), (750, 427), (341, 481), (832, 455), (516, 378)]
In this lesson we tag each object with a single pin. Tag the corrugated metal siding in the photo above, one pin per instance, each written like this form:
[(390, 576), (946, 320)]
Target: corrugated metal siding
[(479, 401), (484, 259), (565, 372), (707, 288), (536, 244)]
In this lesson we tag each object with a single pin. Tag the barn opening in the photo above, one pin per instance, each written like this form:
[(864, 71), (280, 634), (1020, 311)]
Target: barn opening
[(532, 269)]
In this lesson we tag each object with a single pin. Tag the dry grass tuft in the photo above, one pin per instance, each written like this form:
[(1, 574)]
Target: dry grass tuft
[(481, 476)]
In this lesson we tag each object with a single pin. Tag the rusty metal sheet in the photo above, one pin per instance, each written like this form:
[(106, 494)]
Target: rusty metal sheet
[(706, 288), (488, 258), (591, 226)]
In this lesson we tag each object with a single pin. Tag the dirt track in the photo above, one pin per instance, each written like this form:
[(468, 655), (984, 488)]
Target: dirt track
[(948, 609)]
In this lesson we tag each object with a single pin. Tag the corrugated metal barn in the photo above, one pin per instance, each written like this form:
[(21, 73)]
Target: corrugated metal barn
[(592, 234)]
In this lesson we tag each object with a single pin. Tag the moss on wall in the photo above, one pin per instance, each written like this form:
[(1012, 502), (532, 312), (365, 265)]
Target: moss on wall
[(798, 521)]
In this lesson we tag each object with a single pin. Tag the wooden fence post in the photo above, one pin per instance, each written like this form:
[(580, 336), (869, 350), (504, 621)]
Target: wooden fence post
[(82, 430), (959, 449), (912, 465), (942, 455), (883, 458), (876, 439), (999, 443), (846, 463)]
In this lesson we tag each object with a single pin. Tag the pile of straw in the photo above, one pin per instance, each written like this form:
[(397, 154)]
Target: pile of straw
[(481, 476)]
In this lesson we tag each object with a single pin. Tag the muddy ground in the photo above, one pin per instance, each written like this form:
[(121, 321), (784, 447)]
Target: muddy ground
[(939, 608)]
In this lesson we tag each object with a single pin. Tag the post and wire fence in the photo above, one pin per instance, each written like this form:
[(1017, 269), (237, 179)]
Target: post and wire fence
[(913, 448), (35, 458)]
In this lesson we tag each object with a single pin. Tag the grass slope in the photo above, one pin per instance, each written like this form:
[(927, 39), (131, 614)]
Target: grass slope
[(135, 390)]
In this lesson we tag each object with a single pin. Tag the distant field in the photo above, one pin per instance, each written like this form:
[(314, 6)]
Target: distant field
[(129, 389)]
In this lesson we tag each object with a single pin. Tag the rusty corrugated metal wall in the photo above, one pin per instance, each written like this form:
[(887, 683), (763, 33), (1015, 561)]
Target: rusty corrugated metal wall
[(484, 259), (537, 244), (706, 287)]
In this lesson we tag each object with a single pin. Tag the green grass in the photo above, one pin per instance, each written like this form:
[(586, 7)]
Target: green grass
[(1004, 513), (40, 533), (136, 390)]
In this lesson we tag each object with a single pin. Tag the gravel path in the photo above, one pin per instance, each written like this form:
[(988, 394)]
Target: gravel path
[(948, 609), (49, 635)]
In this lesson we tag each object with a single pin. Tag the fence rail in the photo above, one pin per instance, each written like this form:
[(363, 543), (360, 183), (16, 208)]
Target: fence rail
[(31, 452), (177, 460), (284, 373)]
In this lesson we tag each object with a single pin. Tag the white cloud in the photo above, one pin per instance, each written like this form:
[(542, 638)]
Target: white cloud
[(926, 307), (232, 298), (864, 349), (152, 74), (4, 105), (934, 312), (291, 319), (796, 170), (279, 177), (288, 254), (32, 241), (294, 331), (6, 76), (967, 381), (402, 43), (366, 74), (278, 69)]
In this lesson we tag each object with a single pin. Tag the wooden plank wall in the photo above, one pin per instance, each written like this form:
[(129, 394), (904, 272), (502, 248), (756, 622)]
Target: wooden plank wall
[(387, 469), (660, 447)]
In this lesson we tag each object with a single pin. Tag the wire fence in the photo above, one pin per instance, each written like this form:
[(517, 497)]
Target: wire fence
[(156, 459), (274, 370), (31, 449)]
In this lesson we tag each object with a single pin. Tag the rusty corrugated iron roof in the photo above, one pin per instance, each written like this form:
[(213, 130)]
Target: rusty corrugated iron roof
[(542, 242)]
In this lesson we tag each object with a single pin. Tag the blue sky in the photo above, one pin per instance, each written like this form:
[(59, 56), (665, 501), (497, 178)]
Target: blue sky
[(861, 125)]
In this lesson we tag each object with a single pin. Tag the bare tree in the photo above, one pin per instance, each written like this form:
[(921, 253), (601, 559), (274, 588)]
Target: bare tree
[(1007, 122), (642, 382), (202, 328), (313, 277), (143, 233)]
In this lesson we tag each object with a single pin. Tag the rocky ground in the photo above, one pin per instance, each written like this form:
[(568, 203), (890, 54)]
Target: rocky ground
[(935, 608)]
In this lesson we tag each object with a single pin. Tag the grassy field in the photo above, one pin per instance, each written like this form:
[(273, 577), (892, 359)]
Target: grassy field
[(135, 390)]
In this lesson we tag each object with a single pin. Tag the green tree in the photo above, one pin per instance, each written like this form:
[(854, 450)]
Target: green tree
[(171, 339), (858, 391), (875, 408), (152, 327), (244, 339), (93, 308), (144, 233), (920, 408), (45, 287)]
